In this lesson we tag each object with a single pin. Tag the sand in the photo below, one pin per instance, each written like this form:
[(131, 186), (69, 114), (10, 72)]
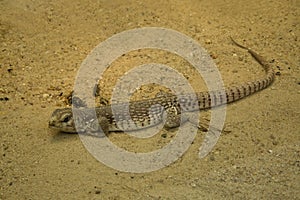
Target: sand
[(42, 46)]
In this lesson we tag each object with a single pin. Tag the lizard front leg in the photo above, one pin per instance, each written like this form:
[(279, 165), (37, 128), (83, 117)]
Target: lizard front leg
[(173, 117)]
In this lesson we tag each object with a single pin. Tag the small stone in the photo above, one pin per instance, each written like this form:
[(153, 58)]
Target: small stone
[(97, 192), (45, 96), (214, 56), (278, 73), (270, 151), (193, 185), (4, 98), (208, 41), (2, 90)]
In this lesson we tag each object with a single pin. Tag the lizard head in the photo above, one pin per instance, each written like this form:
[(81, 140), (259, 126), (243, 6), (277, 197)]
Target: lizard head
[(62, 120)]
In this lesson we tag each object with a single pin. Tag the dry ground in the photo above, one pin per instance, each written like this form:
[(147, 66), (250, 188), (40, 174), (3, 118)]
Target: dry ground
[(42, 46)]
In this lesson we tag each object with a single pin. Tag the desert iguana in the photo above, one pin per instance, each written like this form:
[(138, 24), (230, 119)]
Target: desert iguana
[(146, 113)]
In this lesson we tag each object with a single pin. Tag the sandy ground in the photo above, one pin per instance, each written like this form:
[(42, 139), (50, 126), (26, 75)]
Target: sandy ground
[(43, 44)]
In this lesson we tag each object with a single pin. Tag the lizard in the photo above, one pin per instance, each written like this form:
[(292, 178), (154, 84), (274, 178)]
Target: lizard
[(150, 112)]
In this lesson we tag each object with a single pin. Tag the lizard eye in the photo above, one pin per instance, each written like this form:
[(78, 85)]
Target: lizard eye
[(66, 118)]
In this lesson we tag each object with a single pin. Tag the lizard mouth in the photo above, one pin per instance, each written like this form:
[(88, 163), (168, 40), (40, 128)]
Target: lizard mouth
[(65, 129)]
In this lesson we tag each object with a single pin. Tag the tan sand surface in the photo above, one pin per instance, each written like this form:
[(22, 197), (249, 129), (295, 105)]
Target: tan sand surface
[(43, 43)]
